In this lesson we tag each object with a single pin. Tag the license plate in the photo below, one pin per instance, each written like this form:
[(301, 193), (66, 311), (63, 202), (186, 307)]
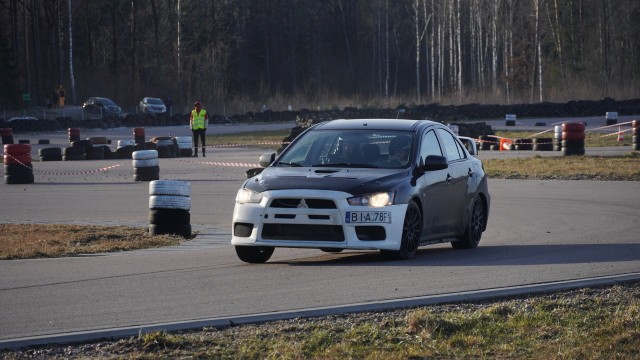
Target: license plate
[(368, 217)]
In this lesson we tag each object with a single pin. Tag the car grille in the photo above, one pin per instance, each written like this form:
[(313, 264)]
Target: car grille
[(289, 203), (303, 232)]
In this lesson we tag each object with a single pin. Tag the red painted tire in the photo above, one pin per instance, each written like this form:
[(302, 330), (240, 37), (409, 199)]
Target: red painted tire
[(573, 127), (6, 131), (17, 149), (138, 131), (17, 159), (572, 135)]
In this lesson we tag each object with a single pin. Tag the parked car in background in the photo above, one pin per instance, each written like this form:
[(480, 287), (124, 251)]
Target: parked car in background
[(152, 106), (364, 184), (102, 106)]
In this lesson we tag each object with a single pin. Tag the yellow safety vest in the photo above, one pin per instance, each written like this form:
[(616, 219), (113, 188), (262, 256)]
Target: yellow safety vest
[(198, 119)]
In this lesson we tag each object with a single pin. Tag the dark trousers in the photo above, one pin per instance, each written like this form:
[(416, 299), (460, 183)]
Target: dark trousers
[(199, 133)]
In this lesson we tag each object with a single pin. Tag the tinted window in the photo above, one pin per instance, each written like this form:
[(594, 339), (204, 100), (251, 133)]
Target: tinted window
[(451, 146), (430, 145)]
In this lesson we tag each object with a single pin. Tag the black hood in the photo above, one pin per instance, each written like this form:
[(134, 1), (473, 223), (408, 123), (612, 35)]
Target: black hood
[(350, 180)]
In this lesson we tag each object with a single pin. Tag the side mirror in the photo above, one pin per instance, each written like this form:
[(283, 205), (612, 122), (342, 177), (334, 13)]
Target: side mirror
[(435, 162), (470, 144), (266, 159)]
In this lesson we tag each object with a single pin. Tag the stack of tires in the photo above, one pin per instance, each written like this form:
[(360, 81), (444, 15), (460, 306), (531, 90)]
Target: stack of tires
[(125, 149), (167, 147), (7, 135), (542, 144), (184, 145), (485, 142), (573, 138), (50, 154), (557, 138), (169, 206), (146, 166), (138, 135), (635, 124), (523, 144), (74, 134), (17, 164)]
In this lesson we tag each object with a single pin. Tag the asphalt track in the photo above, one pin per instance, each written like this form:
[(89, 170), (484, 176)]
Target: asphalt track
[(542, 236)]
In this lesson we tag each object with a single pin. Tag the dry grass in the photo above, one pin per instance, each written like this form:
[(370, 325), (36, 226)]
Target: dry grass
[(599, 323), (27, 241), (623, 168)]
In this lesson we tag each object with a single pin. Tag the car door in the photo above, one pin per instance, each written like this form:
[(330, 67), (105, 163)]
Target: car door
[(433, 189), (457, 178)]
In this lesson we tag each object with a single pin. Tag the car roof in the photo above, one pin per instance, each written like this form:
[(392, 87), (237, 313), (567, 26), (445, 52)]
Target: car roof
[(375, 124)]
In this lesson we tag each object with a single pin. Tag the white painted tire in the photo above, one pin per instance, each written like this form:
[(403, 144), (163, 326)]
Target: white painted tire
[(122, 143), (184, 139), (144, 154), (170, 187), (145, 163), (169, 202)]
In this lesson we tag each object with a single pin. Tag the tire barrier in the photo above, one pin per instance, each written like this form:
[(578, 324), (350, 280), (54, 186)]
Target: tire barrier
[(635, 144), (523, 144), (50, 154), (7, 135), (169, 206), (74, 134), (167, 146), (17, 164), (145, 165), (184, 145), (24, 141), (542, 144), (138, 135), (43, 142), (573, 138), (557, 138)]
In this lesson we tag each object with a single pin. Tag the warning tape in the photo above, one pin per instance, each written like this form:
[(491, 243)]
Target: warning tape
[(59, 173), (79, 172), (226, 164), (248, 145)]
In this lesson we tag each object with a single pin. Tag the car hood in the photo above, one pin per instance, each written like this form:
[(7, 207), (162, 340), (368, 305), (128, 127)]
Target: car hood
[(350, 180)]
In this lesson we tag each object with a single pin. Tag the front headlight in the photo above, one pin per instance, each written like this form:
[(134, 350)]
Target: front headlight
[(373, 200), (246, 196)]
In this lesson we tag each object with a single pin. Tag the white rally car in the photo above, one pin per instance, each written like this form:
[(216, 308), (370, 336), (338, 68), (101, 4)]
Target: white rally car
[(379, 184)]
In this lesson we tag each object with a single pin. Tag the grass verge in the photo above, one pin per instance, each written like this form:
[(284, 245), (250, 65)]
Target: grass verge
[(623, 168), (28, 241), (592, 323)]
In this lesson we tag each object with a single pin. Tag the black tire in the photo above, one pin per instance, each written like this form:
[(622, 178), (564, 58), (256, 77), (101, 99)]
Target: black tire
[(254, 254), (53, 151), (18, 170), (146, 177), (636, 147), (543, 147), (43, 141), (51, 158), (169, 217), (411, 234), (183, 230), (125, 152), (566, 151), (475, 226), (146, 170), (73, 151), (14, 179), (72, 157), (572, 143), (524, 146)]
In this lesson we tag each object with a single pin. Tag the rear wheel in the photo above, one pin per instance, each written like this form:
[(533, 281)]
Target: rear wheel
[(471, 237), (411, 234), (254, 254)]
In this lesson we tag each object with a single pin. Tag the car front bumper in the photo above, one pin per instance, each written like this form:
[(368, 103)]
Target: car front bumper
[(282, 219)]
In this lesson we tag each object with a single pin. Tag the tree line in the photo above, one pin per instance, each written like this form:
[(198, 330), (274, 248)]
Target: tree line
[(225, 51)]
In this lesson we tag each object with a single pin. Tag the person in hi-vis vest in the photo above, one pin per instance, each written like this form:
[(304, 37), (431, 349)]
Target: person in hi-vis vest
[(198, 121)]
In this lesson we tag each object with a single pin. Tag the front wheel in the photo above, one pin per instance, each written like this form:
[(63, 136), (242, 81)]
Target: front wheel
[(471, 237), (254, 254), (411, 234)]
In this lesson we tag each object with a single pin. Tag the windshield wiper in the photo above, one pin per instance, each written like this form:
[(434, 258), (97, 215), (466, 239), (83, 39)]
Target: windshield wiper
[(291, 164)]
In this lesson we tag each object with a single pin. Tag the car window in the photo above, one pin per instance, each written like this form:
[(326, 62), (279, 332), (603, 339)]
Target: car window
[(451, 146), (154, 101), (349, 148), (430, 145)]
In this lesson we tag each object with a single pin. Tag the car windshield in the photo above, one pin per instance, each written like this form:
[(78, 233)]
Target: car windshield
[(350, 148), (154, 101), (105, 101)]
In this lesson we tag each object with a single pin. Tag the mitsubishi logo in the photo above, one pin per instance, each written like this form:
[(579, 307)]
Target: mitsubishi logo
[(303, 204)]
